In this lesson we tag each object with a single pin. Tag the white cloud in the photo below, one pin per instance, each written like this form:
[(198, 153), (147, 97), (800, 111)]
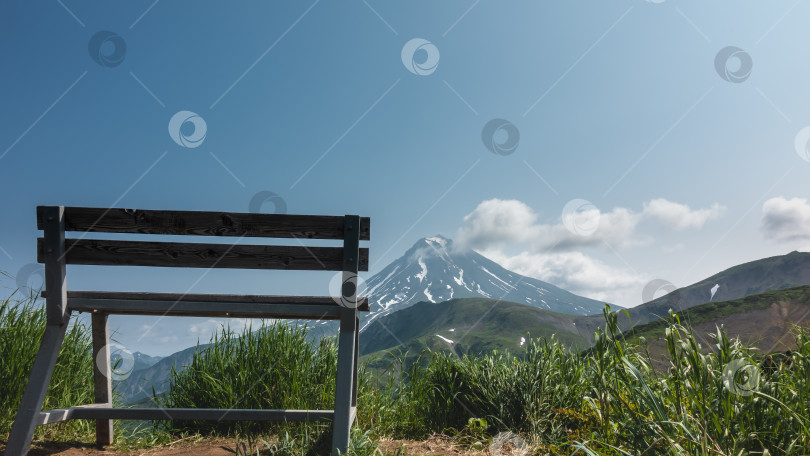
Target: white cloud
[(205, 329), (552, 252), (786, 220), (616, 228), (497, 222), (577, 273), (680, 216)]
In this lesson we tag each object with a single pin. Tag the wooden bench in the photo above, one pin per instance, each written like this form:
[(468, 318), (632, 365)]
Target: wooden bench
[(55, 251)]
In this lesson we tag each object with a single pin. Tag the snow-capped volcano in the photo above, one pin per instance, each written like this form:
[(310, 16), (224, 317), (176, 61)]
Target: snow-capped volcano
[(433, 270)]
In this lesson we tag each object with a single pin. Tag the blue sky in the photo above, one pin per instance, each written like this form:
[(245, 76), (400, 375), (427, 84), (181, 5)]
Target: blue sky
[(617, 103)]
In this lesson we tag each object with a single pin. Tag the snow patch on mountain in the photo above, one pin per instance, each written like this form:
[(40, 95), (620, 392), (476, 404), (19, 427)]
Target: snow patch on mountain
[(423, 273)]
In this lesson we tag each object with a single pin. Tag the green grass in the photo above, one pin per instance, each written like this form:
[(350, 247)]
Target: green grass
[(607, 400), (271, 367), (22, 323)]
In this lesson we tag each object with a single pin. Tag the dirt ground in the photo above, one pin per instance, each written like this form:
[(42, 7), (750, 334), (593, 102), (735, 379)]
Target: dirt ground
[(430, 447)]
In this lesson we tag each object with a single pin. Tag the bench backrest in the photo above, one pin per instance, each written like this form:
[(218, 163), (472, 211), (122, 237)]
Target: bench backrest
[(56, 252), (57, 219)]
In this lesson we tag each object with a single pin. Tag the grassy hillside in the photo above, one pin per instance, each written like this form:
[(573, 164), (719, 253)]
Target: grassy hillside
[(764, 321), (755, 277), (469, 326)]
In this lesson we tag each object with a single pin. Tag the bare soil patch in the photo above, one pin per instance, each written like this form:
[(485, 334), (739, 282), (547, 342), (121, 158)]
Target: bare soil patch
[(435, 446), (183, 448)]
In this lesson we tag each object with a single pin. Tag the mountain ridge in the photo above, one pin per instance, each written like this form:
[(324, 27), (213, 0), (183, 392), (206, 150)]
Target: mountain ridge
[(436, 270), (750, 278)]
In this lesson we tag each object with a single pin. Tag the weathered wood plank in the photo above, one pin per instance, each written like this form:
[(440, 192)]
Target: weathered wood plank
[(102, 373), (346, 371), (28, 416), (59, 415), (93, 413), (116, 220), (356, 364), (53, 416), (345, 382), (196, 255), (225, 298), (52, 248), (206, 309)]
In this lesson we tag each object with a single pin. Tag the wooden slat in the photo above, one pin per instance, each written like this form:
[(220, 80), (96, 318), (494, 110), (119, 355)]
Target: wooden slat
[(53, 252), (226, 298), (344, 382), (206, 309), (102, 374), (193, 255), (22, 431), (59, 415), (118, 220), (53, 416), (92, 413), (84, 300)]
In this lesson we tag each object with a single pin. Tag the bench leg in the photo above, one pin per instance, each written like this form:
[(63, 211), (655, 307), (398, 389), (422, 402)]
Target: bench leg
[(22, 431), (344, 391), (101, 375), (354, 368)]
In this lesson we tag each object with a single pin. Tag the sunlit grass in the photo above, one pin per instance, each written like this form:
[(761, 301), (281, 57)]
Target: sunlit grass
[(22, 323), (607, 400)]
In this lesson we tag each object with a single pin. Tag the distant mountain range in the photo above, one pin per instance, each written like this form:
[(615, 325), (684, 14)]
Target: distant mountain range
[(747, 279), (142, 361), (764, 321), (757, 283), (138, 385), (450, 299)]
